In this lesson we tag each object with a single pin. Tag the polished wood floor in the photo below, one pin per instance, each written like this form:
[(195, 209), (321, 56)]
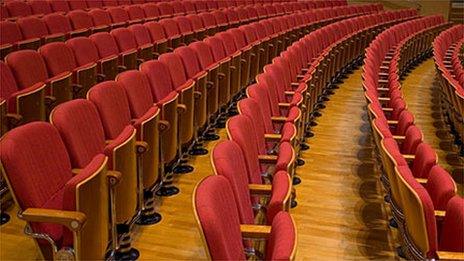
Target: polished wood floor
[(340, 214)]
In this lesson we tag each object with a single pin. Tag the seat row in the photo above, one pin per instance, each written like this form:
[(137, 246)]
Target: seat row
[(255, 168), (447, 52), (14, 9), (421, 193), (31, 32), (68, 70), (127, 131)]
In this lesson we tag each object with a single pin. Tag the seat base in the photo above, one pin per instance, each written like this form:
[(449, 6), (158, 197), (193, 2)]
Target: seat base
[(304, 146), (198, 151), (210, 136), (4, 218), (392, 223), (293, 204), (149, 219), (167, 191), (183, 169), (132, 254), (300, 162), (296, 180)]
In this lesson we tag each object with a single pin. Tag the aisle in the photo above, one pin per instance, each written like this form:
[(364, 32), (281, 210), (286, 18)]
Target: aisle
[(341, 214), (421, 93)]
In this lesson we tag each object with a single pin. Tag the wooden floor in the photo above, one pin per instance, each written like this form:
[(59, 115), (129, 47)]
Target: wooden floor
[(340, 215)]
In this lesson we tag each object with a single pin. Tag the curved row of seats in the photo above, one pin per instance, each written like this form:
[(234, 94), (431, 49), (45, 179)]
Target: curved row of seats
[(134, 126), (14, 9), (422, 195), (255, 167), (447, 52), (31, 32)]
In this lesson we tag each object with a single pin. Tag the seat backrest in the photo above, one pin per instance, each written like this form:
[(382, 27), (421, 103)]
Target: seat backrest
[(220, 16), (105, 43), (138, 91), (195, 21), (110, 2), (228, 42), (281, 244), (118, 15), (100, 17), (124, 38), (28, 67), (176, 68), (240, 129), (178, 7), (156, 31), (184, 24), (80, 19), (159, 77), (170, 27), (208, 20), (32, 27), (413, 138), (40, 7), (440, 186), (57, 23), (251, 109), (425, 159), (7, 81), (261, 97), (239, 38), (165, 9), (151, 10), (112, 105), (141, 34), (94, 3), (189, 60), (81, 129), (217, 48), (218, 218), (78, 5), (9, 32), (59, 6), (452, 232), (58, 57), (204, 54), (84, 49), (228, 161), (135, 12), (18, 8)]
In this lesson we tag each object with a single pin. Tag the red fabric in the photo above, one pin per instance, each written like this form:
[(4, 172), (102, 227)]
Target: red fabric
[(76, 5), (18, 8), (160, 80), (141, 34), (28, 67), (251, 109), (94, 3), (176, 69), (196, 22), (85, 51), (184, 25), (32, 27), (425, 159), (229, 162), (218, 216), (285, 156), (217, 48), (105, 43), (59, 5), (189, 60), (165, 8), (81, 130), (392, 148), (170, 27), (156, 31), (440, 186), (138, 91), (40, 7), (412, 140), (452, 233), (9, 32), (57, 23), (110, 2), (204, 54), (151, 10), (124, 39), (282, 240), (59, 58), (118, 15), (228, 42), (112, 105), (80, 19), (135, 12), (7, 82), (405, 120), (240, 130), (100, 17), (280, 189)]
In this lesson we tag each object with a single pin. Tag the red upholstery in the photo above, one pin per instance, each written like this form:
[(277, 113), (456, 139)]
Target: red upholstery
[(392, 148), (219, 219), (440, 186), (280, 190), (105, 43), (18, 8), (28, 67), (32, 27), (151, 10), (58, 57), (160, 80), (189, 60), (425, 159), (100, 17), (229, 162), (281, 244), (412, 140), (176, 69), (59, 5), (156, 31), (76, 5), (452, 234), (124, 39), (94, 3), (40, 7), (204, 54), (57, 23), (9, 32), (80, 19), (113, 107), (141, 34), (135, 12), (85, 51), (118, 15), (81, 129), (138, 91)]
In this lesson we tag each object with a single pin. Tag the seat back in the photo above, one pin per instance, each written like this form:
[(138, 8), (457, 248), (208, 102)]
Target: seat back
[(80, 19), (57, 23), (251, 109), (105, 43), (452, 232), (124, 39), (94, 4), (78, 5), (135, 12), (100, 17), (40, 7), (118, 15), (218, 219), (28, 67), (18, 8), (9, 32), (60, 6), (58, 57), (425, 159), (85, 51)]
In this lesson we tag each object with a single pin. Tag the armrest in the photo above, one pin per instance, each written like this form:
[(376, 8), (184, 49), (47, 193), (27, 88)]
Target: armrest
[(387, 109), (14, 119), (440, 213), (279, 118), (163, 125), (289, 93), (383, 89), (260, 189), (390, 122), (121, 68), (73, 220), (113, 177), (399, 138), (384, 99), (421, 181), (409, 157), (272, 136), (270, 159), (255, 231), (447, 255), (284, 104), (141, 147)]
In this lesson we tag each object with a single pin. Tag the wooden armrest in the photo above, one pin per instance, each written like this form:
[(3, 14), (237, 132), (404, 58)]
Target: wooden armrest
[(392, 122), (284, 104), (384, 99), (399, 138), (289, 93), (447, 255), (421, 181), (440, 213), (197, 94), (76, 171), (181, 108), (255, 231), (260, 189), (295, 84), (141, 147), (387, 109), (279, 118), (383, 89), (14, 119), (383, 81), (113, 177), (272, 137), (73, 220), (122, 68), (270, 159)]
